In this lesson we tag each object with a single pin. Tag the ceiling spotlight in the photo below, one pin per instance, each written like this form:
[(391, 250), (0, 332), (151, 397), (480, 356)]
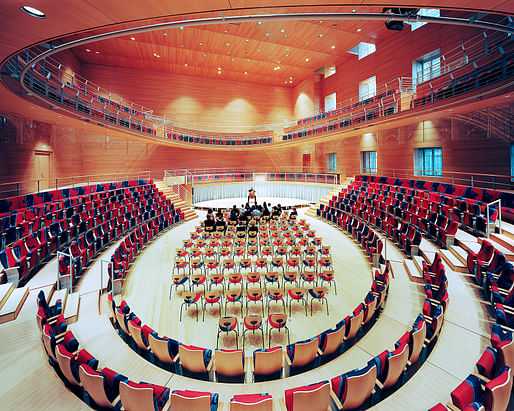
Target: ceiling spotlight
[(201, 44), (164, 34), (359, 30), (320, 35), (181, 27), (88, 50), (287, 55), (228, 44), (307, 43), (333, 47), (307, 59), (31, 11), (248, 41), (285, 36), (259, 51), (226, 31), (282, 30), (267, 34), (132, 38), (353, 11), (219, 68), (321, 21), (246, 73), (185, 64), (260, 22), (97, 52), (219, 72)]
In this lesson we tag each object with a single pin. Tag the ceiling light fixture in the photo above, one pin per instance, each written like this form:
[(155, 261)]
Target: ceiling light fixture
[(260, 22), (185, 64), (181, 27), (246, 73), (228, 44), (201, 44), (132, 38), (285, 36), (97, 52), (88, 50), (359, 30), (31, 11), (282, 30), (321, 21), (248, 41), (267, 34), (226, 31), (307, 59), (333, 47), (164, 34), (320, 35)]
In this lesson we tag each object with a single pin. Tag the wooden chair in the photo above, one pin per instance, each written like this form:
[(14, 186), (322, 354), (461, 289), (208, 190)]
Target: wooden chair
[(229, 365), (93, 383), (301, 354), (267, 364), (314, 397), (251, 402), (354, 325), (331, 342), (161, 349), (137, 336), (396, 365), (141, 397), (194, 401), (195, 360), (352, 389)]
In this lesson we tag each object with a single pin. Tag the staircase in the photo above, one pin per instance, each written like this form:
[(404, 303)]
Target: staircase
[(189, 213), (311, 211)]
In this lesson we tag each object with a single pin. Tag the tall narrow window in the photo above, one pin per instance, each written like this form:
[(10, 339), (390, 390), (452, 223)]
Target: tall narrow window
[(368, 88), (369, 162), (330, 102), (428, 162), (427, 67), (332, 162)]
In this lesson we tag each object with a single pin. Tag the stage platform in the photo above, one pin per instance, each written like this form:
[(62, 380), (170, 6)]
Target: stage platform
[(229, 202)]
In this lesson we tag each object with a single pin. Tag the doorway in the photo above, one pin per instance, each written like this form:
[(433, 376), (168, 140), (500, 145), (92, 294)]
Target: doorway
[(42, 167), (306, 162)]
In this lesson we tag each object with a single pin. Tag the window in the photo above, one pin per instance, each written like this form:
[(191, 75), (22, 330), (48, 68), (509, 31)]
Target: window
[(427, 67), (329, 71), (428, 162), (363, 49), (423, 12), (332, 162), (368, 88), (330, 102), (369, 162)]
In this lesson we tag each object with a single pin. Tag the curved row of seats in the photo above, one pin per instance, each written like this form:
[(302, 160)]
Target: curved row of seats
[(39, 225), (480, 77)]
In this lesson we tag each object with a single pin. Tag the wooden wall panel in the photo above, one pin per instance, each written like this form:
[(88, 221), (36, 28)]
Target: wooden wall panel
[(303, 98), (197, 99)]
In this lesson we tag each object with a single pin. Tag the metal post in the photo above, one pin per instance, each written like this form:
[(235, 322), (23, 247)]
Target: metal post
[(18, 189), (56, 183)]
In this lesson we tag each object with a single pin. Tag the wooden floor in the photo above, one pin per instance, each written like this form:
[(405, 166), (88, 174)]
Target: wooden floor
[(28, 381)]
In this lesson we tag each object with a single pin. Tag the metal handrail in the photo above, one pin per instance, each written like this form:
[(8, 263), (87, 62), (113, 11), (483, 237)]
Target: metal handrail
[(499, 219)]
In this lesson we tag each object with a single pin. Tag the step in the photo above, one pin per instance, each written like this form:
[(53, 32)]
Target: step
[(13, 304), (59, 295), (460, 254), (5, 291), (413, 272), (453, 261), (418, 261), (71, 310), (428, 255), (504, 240)]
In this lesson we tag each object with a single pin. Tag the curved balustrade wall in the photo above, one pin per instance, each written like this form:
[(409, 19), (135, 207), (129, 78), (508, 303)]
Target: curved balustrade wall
[(302, 191)]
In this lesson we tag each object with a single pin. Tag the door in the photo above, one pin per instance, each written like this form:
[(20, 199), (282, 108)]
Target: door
[(306, 161), (42, 166)]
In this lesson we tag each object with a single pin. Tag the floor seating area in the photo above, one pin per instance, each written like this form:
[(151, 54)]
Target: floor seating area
[(80, 223)]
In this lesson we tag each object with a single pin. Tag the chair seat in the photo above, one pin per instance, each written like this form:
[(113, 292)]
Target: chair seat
[(253, 322)]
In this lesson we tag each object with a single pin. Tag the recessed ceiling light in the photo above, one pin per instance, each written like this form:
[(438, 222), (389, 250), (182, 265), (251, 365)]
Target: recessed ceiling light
[(181, 27), (219, 68), (228, 44), (287, 49), (31, 11), (132, 38), (321, 21), (260, 22), (232, 59), (267, 34), (287, 55), (182, 45), (259, 51), (185, 64), (219, 72), (282, 30), (359, 30), (165, 34), (307, 59), (246, 73), (353, 11), (88, 50), (307, 43), (226, 31), (285, 36), (97, 52), (320, 35), (203, 55), (334, 24), (201, 44), (248, 41), (247, 59), (333, 47), (228, 52)]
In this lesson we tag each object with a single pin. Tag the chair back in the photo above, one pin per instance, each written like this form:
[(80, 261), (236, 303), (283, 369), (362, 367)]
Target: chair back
[(94, 386), (317, 399), (268, 362), (196, 403), (305, 352), (159, 348), (497, 391), (359, 388), (396, 364), (418, 339), (334, 340), (120, 319), (355, 325), (136, 334), (64, 359), (251, 402), (192, 359), (370, 310), (136, 398), (229, 363)]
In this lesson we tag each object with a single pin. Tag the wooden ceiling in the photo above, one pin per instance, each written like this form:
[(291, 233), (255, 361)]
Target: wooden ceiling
[(255, 49)]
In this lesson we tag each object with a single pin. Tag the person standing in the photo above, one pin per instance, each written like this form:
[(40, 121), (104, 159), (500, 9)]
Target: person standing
[(251, 196)]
